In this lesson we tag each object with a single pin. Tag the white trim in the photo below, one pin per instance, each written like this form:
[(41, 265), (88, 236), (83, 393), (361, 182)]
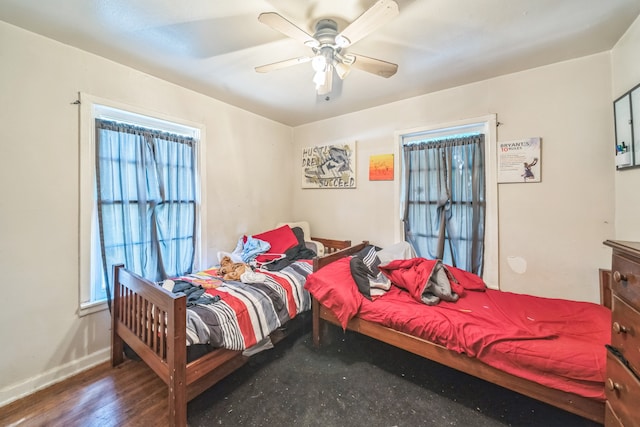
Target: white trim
[(124, 115), (14, 392), (91, 107), (488, 124)]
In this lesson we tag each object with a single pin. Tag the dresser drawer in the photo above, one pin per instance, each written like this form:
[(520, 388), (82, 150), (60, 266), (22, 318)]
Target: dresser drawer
[(625, 274), (625, 335), (623, 392), (610, 418)]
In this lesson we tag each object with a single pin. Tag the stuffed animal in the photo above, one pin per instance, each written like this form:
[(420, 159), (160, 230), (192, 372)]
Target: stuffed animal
[(230, 270)]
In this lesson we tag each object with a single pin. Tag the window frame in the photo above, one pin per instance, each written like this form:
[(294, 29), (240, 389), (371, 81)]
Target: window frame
[(92, 107), (488, 126)]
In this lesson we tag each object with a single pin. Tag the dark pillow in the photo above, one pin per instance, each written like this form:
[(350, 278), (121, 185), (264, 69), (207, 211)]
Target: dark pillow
[(365, 272)]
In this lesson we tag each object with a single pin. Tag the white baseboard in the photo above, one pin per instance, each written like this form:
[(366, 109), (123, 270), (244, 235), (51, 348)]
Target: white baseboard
[(13, 392)]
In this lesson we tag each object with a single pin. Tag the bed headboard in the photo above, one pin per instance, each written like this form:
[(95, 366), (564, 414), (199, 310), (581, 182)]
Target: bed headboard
[(318, 263)]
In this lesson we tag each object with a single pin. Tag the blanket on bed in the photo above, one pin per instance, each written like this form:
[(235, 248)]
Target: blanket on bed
[(555, 342), (246, 313)]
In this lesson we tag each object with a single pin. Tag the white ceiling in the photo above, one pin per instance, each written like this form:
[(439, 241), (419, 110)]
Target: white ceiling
[(212, 46)]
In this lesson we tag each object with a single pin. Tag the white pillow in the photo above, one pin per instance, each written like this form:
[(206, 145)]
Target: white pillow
[(401, 250)]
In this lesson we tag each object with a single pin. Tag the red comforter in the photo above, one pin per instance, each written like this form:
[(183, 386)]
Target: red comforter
[(557, 343)]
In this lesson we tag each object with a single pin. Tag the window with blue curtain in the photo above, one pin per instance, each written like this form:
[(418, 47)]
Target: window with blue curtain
[(444, 200), (146, 201)]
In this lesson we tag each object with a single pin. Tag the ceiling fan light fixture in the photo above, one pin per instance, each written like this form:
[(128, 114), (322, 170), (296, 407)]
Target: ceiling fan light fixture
[(342, 69), (319, 63), (323, 86), (319, 78)]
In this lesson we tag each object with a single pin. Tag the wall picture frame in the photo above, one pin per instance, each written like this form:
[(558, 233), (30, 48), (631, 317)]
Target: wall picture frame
[(381, 167), (519, 161), (331, 166)]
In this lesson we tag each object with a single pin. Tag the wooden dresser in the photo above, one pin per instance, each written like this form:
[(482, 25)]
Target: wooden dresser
[(623, 358)]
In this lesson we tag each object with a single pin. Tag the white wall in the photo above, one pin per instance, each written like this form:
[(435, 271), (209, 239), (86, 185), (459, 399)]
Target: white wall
[(44, 339), (557, 226), (625, 66)]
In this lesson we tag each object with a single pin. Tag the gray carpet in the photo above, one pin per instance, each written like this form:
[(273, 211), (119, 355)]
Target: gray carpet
[(357, 381)]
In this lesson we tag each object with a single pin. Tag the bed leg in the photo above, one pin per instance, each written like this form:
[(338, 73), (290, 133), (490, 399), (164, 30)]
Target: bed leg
[(319, 327), (117, 343), (315, 322), (177, 401), (177, 361)]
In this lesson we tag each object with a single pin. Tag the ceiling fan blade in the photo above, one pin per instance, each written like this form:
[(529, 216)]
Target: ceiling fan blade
[(279, 23), (282, 64), (374, 66), (374, 17)]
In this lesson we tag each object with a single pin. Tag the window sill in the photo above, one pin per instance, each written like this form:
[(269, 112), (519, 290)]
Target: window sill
[(92, 307)]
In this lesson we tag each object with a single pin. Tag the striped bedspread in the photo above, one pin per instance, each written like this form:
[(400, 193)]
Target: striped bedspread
[(248, 313)]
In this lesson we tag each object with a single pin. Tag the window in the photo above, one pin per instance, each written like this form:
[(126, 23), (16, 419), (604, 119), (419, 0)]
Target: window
[(444, 201), (145, 209), (447, 195)]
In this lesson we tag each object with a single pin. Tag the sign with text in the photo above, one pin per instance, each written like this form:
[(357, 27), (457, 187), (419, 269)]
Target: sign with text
[(519, 160), (329, 166)]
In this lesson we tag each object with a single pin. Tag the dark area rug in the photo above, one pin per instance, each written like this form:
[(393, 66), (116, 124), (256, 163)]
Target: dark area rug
[(358, 381)]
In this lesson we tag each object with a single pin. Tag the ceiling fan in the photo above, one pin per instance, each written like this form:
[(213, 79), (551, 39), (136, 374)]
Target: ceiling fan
[(329, 46)]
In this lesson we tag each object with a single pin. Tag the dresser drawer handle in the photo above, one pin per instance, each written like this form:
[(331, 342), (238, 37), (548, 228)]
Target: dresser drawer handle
[(612, 385), (618, 328), (619, 277)]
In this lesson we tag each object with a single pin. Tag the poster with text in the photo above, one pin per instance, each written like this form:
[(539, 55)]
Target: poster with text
[(329, 166), (519, 160)]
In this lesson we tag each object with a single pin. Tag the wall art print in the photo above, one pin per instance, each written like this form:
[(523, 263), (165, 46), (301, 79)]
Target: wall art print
[(329, 166), (519, 160), (381, 167)]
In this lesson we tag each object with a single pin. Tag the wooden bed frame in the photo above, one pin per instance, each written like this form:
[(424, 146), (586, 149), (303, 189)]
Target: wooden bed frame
[(588, 408), (152, 321)]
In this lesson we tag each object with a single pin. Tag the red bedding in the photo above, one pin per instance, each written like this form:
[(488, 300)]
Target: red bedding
[(557, 343)]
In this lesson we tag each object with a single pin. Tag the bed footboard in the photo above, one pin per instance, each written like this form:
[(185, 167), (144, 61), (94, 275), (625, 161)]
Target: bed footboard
[(152, 321)]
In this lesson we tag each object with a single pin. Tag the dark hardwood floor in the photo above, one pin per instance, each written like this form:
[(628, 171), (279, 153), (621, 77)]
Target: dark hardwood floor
[(130, 395)]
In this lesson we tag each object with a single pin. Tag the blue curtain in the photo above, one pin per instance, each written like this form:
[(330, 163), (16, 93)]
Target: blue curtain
[(444, 200), (146, 200)]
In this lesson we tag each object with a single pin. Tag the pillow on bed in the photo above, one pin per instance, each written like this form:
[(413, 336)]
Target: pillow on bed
[(280, 239), (335, 289), (365, 272)]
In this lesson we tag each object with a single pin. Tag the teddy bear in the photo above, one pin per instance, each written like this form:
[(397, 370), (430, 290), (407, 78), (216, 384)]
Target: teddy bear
[(230, 270)]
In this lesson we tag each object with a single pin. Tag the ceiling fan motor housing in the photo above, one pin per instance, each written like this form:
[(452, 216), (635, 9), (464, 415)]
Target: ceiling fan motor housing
[(326, 31)]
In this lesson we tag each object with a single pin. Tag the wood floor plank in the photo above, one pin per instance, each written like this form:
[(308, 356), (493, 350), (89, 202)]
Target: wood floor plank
[(129, 395)]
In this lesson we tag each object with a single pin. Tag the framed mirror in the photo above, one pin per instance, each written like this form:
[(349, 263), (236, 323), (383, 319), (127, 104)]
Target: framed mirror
[(626, 111)]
